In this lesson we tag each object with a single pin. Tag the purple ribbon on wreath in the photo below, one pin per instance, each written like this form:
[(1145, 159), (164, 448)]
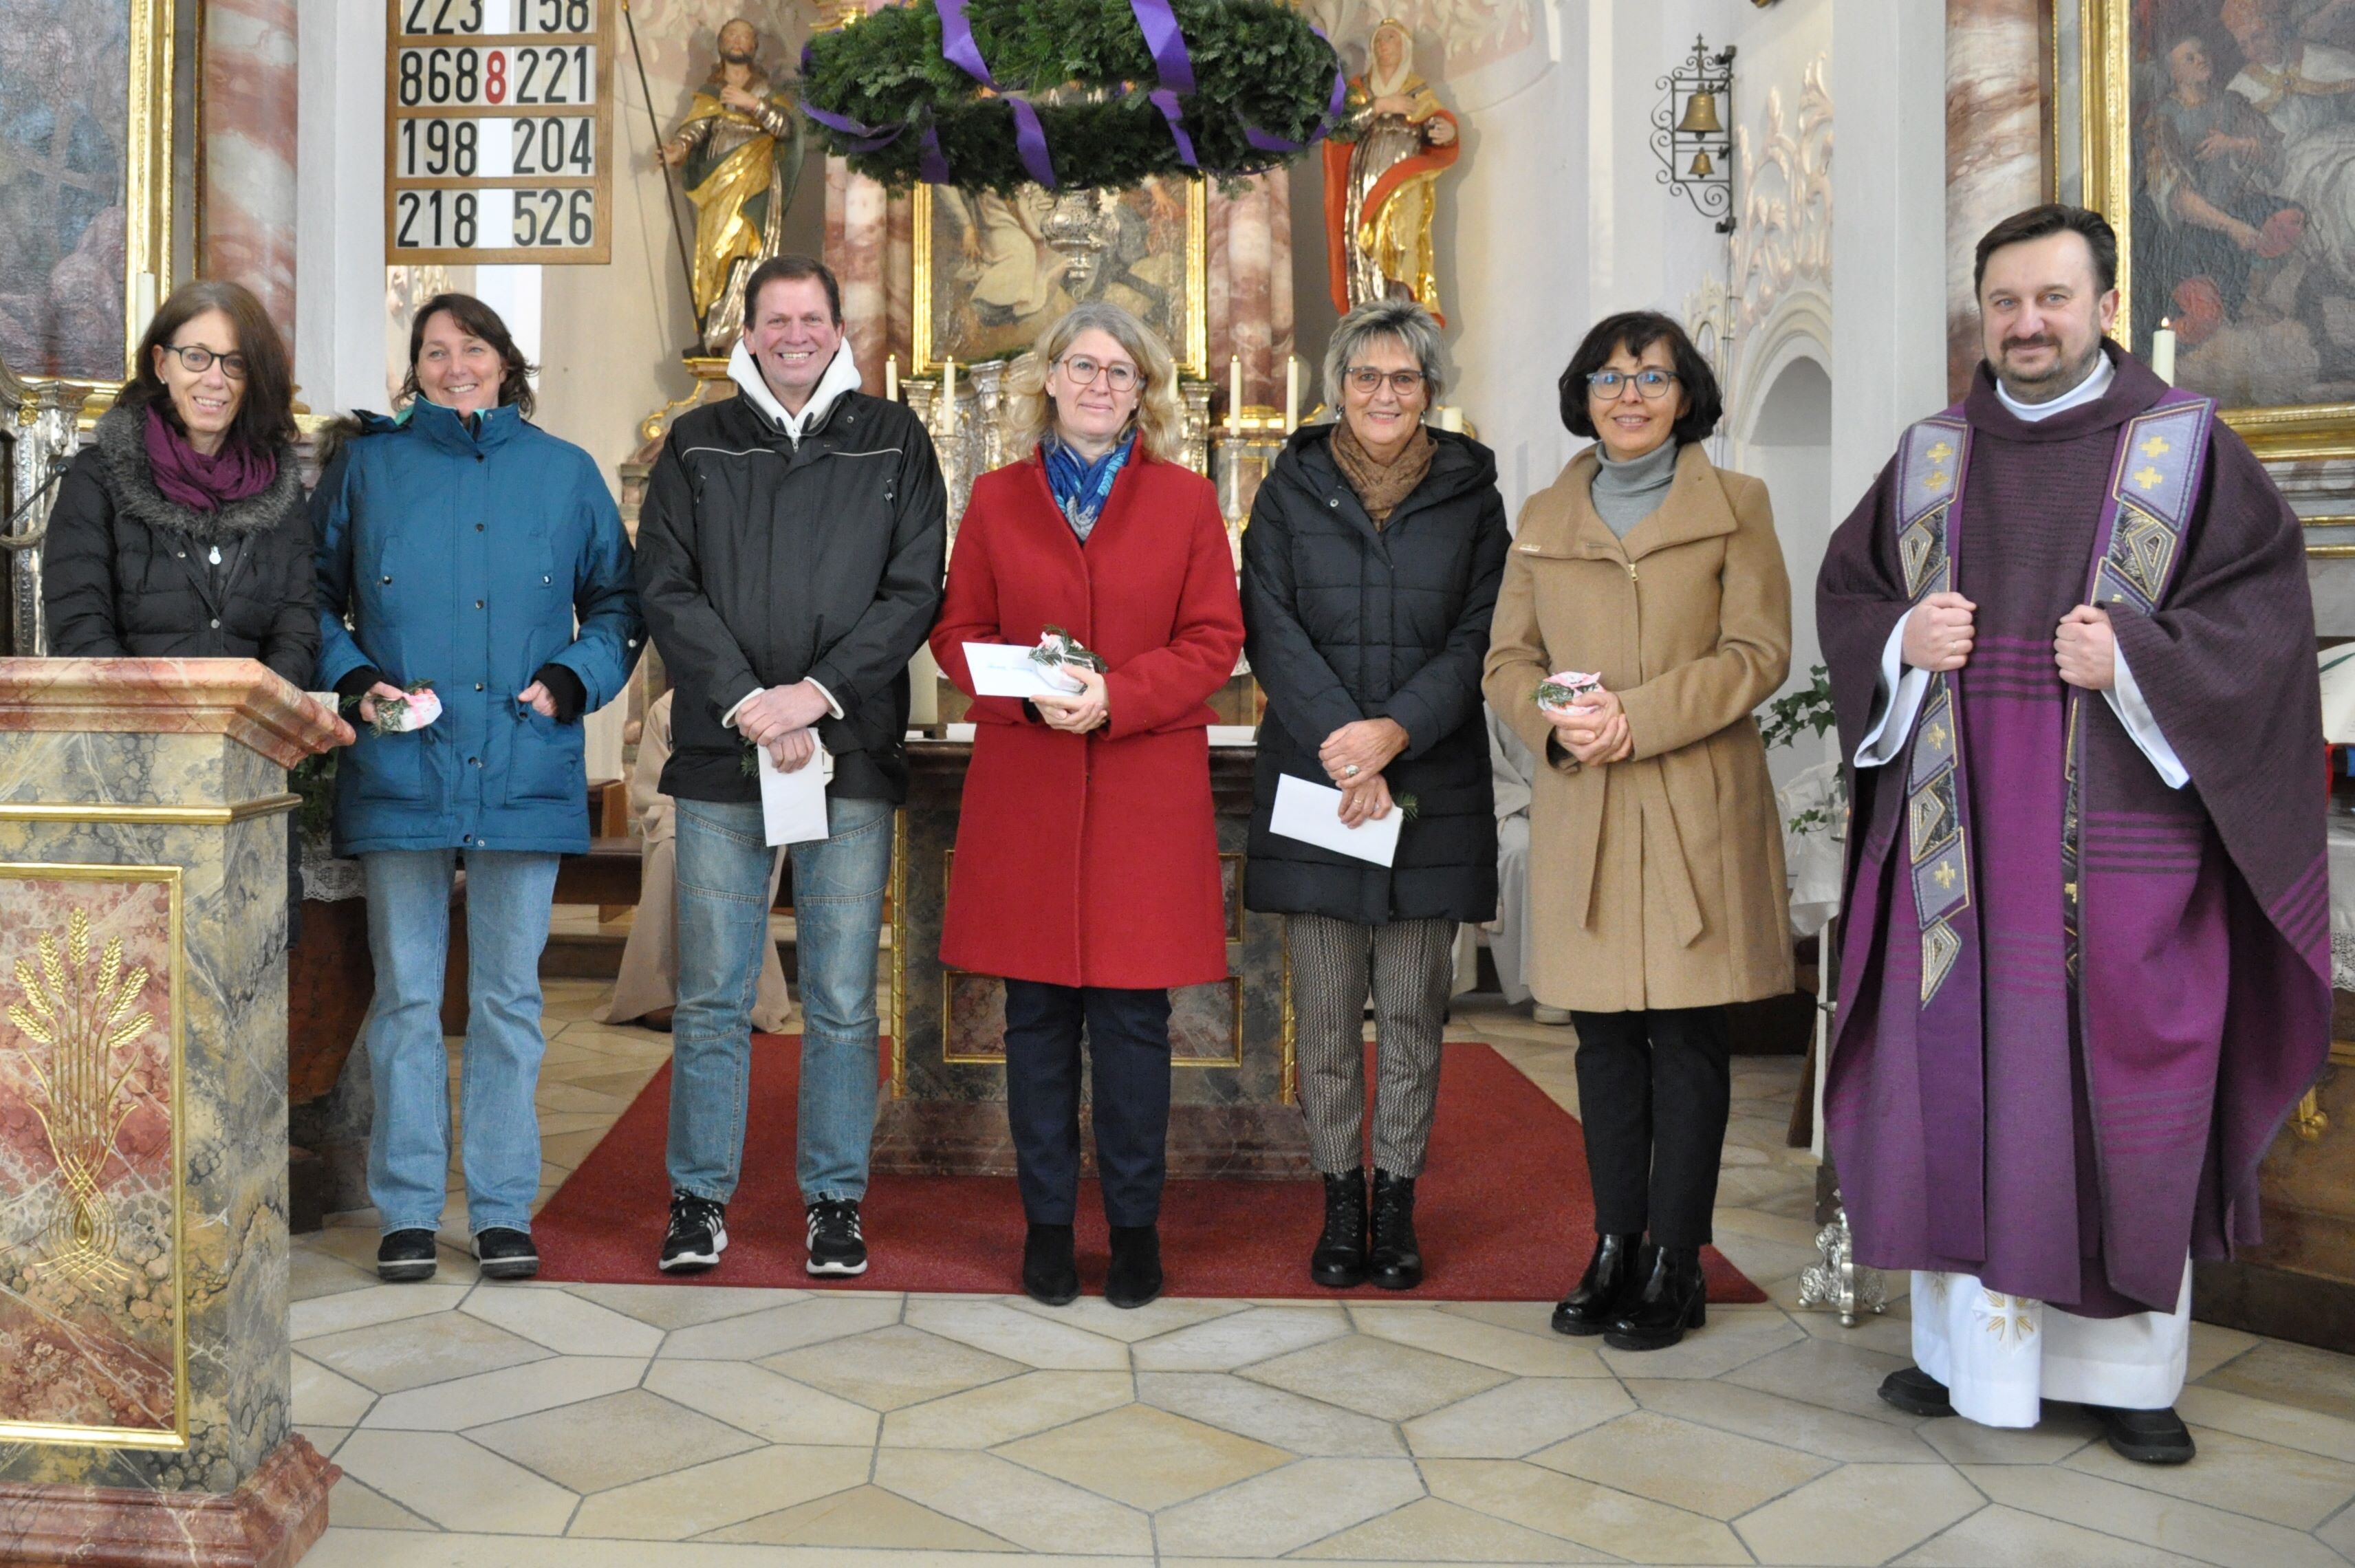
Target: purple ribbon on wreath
[(957, 45)]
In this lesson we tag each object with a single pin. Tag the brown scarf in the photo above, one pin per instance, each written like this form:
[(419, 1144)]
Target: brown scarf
[(1382, 486)]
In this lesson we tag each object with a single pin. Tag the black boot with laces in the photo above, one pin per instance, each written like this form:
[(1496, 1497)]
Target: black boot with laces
[(1395, 1262), (1339, 1260)]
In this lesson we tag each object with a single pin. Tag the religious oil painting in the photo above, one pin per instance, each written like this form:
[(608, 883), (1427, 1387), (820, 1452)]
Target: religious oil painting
[(66, 146), (92, 1330), (994, 271), (2221, 138)]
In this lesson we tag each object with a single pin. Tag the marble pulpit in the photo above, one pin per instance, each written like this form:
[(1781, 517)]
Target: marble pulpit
[(145, 1402)]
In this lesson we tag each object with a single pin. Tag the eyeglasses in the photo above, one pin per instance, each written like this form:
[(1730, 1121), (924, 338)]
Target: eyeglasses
[(198, 359), (1650, 384), (1083, 371), (1366, 378)]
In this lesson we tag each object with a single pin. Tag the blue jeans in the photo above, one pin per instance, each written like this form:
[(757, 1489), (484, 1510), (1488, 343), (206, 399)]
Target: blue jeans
[(723, 918), (508, 896)]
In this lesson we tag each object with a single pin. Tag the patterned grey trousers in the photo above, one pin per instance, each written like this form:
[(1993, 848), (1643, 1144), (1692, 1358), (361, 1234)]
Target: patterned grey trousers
[(1407, 965)]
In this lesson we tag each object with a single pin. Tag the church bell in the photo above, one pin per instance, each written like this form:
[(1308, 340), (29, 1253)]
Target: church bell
[(1701, 116), (1701, 167)]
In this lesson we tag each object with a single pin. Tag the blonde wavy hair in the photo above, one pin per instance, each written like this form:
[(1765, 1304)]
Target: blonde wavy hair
[(1159, 418)]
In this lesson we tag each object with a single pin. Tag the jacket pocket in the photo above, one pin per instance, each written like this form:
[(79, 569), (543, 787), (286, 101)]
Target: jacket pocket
[(545, 761), (391, 767)]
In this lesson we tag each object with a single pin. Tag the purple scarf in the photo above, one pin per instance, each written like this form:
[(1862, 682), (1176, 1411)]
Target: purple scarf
[(199, 483)]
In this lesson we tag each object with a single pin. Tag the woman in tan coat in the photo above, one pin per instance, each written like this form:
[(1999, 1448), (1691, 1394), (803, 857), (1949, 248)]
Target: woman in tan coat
[(1656, 893)]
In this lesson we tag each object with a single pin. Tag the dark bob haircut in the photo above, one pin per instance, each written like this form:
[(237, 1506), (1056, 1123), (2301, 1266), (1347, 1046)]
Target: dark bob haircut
[(1636, 330), (475, 319), (2053, 218), (265, 413), (791, 269)]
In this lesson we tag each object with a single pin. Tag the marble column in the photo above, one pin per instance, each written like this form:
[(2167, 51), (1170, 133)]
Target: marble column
[(247, 112), (145, 1371), (1997, 145), (1250, 263), (856, 218), (899, 282)]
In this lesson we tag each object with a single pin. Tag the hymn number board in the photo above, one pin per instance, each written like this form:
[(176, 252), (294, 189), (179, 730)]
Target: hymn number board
[(498, 131)]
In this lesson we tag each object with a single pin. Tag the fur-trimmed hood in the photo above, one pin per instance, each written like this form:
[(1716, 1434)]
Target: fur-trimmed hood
[(122, 445)]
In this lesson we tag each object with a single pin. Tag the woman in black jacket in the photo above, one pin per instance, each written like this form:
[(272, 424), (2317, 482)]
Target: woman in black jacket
[(180, 532), (1370, 570)]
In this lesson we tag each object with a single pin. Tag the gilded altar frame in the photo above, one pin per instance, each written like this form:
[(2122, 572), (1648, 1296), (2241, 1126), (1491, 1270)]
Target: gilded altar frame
[(1193, 355), (147, 142), (2284, 433)]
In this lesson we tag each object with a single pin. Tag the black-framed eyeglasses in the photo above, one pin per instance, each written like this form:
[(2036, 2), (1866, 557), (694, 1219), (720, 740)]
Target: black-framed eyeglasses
[(1368, 380), (1083, 371), (197, 359), (1651, 385)]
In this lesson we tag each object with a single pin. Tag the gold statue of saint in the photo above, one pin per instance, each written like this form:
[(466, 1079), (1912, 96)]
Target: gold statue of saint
[(740, 150), (1381, 173)]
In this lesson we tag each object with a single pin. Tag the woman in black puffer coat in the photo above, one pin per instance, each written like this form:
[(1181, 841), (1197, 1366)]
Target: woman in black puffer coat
[(181, 531), (1371, 571)]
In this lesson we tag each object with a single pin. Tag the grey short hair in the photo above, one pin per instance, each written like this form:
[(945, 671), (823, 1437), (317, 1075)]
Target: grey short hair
[(1403, 322)]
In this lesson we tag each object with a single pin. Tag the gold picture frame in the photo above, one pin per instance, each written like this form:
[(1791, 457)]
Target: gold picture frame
[(146, 129), (1189, 342), (2105, 47)]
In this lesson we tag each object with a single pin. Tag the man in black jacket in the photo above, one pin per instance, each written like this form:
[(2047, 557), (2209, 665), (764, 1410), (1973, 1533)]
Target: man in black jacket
[(790, 556)]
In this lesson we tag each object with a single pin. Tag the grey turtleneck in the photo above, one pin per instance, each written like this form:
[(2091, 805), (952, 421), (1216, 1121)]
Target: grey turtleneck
[(1627, 493)]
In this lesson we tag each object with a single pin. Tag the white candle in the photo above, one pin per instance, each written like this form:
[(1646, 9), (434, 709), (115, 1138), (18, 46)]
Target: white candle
[(948, 395), (1451, 418), (144, 311), (1235, 395), (1291, 392), (2162, 353), (892, 379)]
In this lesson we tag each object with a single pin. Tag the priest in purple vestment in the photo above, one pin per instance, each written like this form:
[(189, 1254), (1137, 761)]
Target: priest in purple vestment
[(2085, 972)]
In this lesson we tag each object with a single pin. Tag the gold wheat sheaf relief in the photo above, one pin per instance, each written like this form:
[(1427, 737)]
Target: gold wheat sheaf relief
[(85, 1020)]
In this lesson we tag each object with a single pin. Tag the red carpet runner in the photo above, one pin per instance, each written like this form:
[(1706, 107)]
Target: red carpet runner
[(1504, 1211)]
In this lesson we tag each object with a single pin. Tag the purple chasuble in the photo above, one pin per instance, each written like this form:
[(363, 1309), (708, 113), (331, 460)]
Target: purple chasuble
[(2075, 1004)]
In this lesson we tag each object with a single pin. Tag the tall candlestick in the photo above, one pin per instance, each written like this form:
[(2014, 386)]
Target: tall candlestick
[(948, 395), (1291, 393), (892, 379), (2162, 352), (1235, 395)]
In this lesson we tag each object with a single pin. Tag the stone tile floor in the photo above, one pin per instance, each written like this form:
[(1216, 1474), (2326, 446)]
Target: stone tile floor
[(596, 1426)]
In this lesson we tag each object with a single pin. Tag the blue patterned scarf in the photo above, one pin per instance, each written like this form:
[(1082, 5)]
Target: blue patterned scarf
[(1080, 487)]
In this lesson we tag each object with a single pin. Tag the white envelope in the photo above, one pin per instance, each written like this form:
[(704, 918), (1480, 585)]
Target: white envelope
[(1312, 814), (793, 805), (1004, 669)]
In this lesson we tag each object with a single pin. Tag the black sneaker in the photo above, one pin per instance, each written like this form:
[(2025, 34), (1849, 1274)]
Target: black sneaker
[(835, 1246), (506, 1253), (698, 1234), (405, 1257)]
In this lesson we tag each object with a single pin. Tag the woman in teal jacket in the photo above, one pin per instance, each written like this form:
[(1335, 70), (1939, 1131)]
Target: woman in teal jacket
[(463, 543)]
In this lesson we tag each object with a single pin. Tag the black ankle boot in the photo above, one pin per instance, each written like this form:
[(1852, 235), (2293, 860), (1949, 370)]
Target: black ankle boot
[(1395, 1262), (1339, 1260), (1134, 1276), (1674, 1299), (1051, 1274), (1606, 1289)]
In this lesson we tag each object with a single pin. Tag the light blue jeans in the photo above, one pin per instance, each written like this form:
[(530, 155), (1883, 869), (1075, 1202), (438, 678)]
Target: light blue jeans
[(723, 918), (508, 896)]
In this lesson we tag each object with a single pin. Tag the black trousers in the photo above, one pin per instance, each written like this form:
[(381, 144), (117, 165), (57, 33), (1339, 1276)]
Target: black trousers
[(1653, 1091), (1128, 1049)]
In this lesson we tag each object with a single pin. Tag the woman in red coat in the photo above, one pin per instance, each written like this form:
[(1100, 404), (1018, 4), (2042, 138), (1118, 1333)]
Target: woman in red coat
[(1087, 862)]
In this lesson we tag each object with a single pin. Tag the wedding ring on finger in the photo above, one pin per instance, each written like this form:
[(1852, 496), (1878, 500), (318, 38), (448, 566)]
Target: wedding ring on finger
[(1350, 771)]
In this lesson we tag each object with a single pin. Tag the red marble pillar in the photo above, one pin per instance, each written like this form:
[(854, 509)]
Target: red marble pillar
[(855, 219), (1996, 146), (247, 110), (1250, 260)]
